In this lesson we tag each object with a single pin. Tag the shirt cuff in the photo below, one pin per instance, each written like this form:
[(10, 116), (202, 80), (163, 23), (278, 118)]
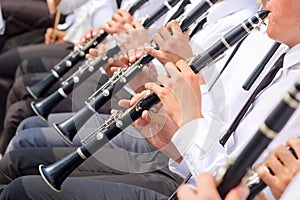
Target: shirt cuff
[(184, 138)]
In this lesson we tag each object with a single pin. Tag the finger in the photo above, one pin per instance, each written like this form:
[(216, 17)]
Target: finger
[(294, 143), (238, 193), (153, 52), (157, 38), (137, 25), (139, 52), (264, 174), (186, 192), (126, 16), (274, 164), (124, 59), (207, 185), (128, 27), (164, 33), (113, 111), (95, 31), (157, 89), (114, 69), (137, 97), (117, 17), (285, 156), (187, 33), (88, 34), (131, 55), (146, 116), (111, 24), (172, 70), (124, 103), (93, 52), (183, 66), (174, 26)]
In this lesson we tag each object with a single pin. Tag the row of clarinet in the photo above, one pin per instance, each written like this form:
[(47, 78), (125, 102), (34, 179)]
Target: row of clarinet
[(56, 173)]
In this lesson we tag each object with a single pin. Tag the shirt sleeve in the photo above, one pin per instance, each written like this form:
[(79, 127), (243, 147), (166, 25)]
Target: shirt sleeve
[(198, 142), (67, 6)]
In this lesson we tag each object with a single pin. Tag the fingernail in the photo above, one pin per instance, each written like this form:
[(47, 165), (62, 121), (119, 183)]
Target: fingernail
[(244, 193), (147, 85)]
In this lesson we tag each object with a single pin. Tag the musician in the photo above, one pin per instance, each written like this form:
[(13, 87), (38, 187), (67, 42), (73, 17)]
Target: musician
[(284, 79), (206, 184), (228, 4), (278, 29), (10, 60), (217, 27), (21, 110), (22, 19), (206, 189), (282, 162)]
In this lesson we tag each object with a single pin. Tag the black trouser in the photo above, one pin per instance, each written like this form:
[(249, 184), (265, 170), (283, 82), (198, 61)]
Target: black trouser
[(24, 16), (26, 161), (10, 61)]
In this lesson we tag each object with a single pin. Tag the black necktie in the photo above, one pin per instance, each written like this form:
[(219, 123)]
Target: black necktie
[(263, 84), (180, 9)]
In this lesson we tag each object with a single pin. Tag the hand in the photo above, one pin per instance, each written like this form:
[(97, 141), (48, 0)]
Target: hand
[(133, 40), (180, 93), (155, 126), (172, 47), (116, 24), (283, 164), (100, 50), (52, 4), (147, 74), (207, 190), (55, 36), (89, 34)]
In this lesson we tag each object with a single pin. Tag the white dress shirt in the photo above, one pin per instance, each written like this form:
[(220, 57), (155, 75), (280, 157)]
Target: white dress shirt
[(2, 24), (201, 154), (88, 14), (219, 22)]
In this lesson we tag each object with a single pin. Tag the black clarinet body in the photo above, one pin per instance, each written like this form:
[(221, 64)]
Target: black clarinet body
[(149, 20), (260, 67), (268, 130), (228, 40), (55, 173), (71, 59), (44, 107), (116, 83)]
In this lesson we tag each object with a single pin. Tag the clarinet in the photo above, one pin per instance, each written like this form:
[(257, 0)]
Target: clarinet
[(44, 107), (120, 78), (71, 59), (267, 131), (256, 185), (260, 67), (57, 172)]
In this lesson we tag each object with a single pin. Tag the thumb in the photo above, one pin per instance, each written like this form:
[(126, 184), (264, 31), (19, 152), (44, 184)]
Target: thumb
[(238, 193)]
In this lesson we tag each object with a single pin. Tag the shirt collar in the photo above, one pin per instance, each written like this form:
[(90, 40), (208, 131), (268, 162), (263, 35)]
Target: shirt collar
[(292, 57), (227, 7)]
